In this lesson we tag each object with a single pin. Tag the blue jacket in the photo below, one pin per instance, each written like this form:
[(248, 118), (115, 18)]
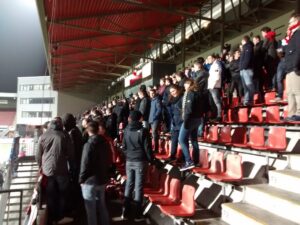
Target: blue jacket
[(155, 109), (247, 55)]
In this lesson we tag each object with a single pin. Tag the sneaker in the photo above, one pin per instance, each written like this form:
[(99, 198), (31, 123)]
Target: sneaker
[(170, 160), (277, 99), (187, 166), (65, 220), (295, 118)]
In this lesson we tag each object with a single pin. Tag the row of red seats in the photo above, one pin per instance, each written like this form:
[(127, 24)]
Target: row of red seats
[(237, 137)]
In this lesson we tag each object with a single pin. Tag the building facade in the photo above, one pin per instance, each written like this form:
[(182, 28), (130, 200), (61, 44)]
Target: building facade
[(36, 101)]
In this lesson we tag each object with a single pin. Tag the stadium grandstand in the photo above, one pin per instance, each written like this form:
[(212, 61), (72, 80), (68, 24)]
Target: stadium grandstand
[(170, 112)]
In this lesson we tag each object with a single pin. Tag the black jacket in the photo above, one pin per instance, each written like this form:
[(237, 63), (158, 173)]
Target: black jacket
[(258, 56), (137, 143), (176, 112), (76, 137), (144, 108), (111, 125), (234, 67), (192, 107), (246, 60), (95, 160), (292, 54)]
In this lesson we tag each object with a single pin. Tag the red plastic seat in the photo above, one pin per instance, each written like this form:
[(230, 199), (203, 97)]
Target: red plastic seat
[(172, 198), (162, 146), (243, 115), (225, 135), (204, 162), (186, 207), (150, 182), (232, 116), (277, 139), (164, 186), (233, 171), (273, 115), (159, 189), (212, 134), (216, 165), (239, 137), (269, 96), (256, 115), (257, 138)]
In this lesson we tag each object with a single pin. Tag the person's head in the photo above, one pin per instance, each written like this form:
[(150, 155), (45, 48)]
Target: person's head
[(102, 129), (179, 76), (152, 93), (46, 126), (294, 20), (92, 128), (264, 31), (211, 58), (162, 81), (236, 55), (56, 124), (256, 39), (143, 88), (108, 111), (84, 122), (135, 116), (69, 121), (141, 94), (135, 96), (190, 85), (175, 90)]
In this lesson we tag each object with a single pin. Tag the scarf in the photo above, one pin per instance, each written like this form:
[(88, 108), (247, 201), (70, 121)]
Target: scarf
[(290, 32)]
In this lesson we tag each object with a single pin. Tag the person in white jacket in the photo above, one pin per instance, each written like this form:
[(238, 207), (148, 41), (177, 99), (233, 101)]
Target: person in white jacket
[(214, 85)]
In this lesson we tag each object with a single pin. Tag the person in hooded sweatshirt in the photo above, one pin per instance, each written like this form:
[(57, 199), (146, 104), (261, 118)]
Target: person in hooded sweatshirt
[(55, 158), (138, 152)]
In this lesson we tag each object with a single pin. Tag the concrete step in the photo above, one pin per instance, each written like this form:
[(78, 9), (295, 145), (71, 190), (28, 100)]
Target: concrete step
[(217, 221), (288, 180), (275, 200), (246, 214), (24, 180), (294, 162)]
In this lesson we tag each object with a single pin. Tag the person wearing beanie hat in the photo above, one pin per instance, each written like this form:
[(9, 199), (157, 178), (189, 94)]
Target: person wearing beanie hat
[(138, 151)]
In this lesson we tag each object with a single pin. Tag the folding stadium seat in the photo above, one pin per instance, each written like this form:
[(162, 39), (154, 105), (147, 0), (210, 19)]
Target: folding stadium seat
[(256, 99), (257, 138), (233, 171), (277, 139), (186, 207), (269, 96), (160, 190), (243, 115), (150, 182), (256, 115), (212, 134), (273, 115), (216, 165), (204, 162), (225, 135), (162, 145), (235, 102), (166, 188), (239, 137), (172, 198), (232, 116)]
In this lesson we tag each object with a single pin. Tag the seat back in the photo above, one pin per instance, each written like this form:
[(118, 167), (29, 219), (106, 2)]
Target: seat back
[(277, 138), (187, 201), (174, 193), (243, 115), (234, 166), (162, 180), (204, 158), (212, 134), (256, 115), (232, 116), (217, 162), (273, 115), (270, 96), (225, 134), (167, 185), (257, 137), (239, 135), (162, 146)]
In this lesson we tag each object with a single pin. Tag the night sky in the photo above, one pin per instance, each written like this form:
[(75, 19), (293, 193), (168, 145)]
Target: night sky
[(21, 43)]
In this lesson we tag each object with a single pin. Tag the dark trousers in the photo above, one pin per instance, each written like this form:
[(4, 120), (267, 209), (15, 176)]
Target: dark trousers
[(154, 128), (174, 142), (281, 72), (56, 192)]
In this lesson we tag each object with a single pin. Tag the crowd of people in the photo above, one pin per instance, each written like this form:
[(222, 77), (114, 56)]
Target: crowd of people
[(181, 104)]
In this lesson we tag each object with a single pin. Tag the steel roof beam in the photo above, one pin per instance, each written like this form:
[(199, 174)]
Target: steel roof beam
[(86, 70)]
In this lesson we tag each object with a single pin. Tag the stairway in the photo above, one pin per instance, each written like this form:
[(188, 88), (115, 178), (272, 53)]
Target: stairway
[(25, 178), (276, 203)]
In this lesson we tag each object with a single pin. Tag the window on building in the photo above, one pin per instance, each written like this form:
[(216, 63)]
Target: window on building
[(3, 102), (37, 101), (29, 114)]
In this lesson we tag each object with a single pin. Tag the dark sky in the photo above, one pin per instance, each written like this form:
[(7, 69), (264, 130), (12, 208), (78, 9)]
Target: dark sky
[(21, 43)]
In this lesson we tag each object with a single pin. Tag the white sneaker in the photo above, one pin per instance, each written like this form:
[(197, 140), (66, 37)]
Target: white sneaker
[(65, 220)]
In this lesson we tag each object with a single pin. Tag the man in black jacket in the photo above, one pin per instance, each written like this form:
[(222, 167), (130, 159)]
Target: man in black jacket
[(94, 175), (246, 70), (144, 107), (138, 151), (55, 155), (293, 68)]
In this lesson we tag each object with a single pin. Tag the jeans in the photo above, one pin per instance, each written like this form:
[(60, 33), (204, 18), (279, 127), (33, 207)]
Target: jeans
[(154, 128), (184, 134), (216, 97), (135, 172), (94, 200), (248, 85), (174, 142), (201, 127), (56, 191), (281, 71)]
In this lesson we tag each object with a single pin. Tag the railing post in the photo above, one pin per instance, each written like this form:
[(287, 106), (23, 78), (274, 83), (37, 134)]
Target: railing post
[(20, 210)]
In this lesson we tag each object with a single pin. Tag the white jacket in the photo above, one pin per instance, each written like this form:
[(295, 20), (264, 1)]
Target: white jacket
[(215, 78)]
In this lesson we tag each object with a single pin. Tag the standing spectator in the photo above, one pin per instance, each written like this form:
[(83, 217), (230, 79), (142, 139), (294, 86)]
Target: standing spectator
[(280, 74), (155, 117), (144, 107), (270, 56), (293, 68), (166, 107), (14, 153), (55, 155), (162, 87), (246, 70), (258, 74), (236, 84), (180, 78), (176, 108), (137, 148), (111, 123), (191, 115), (214, 85), (94, 175)]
